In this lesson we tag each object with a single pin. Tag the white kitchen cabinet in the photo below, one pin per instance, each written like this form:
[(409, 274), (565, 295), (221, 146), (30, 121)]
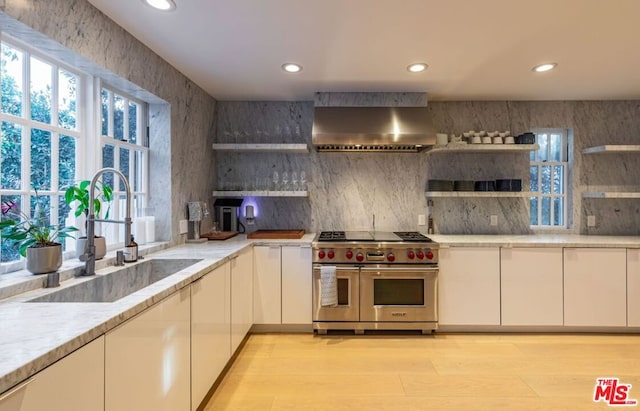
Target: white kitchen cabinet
[(267, 281), (531, 286), (210, 330), (241, 296), (469, 286), (76, 382), (633, 287), (148, 363), (595, 287), (296, 285)]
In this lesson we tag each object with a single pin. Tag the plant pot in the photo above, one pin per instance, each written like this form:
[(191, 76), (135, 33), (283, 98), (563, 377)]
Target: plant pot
[(47, 259), (100, 243)]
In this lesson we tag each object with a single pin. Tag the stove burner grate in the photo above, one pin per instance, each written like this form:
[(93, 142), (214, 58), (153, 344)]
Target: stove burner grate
[(412, 236), (332, 236)]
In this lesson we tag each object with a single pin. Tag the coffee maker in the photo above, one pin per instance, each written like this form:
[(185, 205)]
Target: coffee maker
[(227, 211)]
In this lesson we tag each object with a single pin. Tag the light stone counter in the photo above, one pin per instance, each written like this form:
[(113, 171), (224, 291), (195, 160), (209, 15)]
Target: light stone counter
[(549, 240), (35, 335)]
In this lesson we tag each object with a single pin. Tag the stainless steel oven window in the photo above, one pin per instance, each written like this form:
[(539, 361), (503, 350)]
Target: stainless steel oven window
[(392, 291)]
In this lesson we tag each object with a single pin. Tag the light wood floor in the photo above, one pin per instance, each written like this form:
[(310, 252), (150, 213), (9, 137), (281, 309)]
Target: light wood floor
[(441, 372)]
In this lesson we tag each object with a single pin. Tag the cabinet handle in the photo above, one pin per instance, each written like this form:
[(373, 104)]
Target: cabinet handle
[(16, 389), (234, 257)]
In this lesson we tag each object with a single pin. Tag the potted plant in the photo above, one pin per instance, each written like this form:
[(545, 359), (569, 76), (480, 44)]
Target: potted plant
[(35, 238), (79, 195)]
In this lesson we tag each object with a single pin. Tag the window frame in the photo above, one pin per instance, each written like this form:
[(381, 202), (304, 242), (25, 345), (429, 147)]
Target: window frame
[(27, 124), (89, 142), (565, 194)]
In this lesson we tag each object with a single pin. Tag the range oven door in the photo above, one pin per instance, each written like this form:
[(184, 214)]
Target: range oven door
[(398, 294), (348, 296)]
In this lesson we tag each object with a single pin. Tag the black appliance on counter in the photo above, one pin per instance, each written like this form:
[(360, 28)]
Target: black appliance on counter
[(227, 212)]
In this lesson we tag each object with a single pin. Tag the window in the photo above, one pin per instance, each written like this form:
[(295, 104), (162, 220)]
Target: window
[(124, 146), (549, 179), (40, 134), (48, 144)]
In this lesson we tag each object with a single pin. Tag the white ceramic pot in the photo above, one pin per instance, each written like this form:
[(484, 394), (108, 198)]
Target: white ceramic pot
[(41, 260), (100, 243)]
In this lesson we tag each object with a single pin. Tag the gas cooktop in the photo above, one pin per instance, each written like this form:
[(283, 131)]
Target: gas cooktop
[(372, 236)]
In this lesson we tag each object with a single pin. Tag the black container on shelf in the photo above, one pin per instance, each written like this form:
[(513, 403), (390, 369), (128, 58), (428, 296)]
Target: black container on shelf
[(485, 185), (526, 138)]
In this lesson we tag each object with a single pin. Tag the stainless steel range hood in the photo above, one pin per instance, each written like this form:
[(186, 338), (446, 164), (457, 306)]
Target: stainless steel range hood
[(372, 129)]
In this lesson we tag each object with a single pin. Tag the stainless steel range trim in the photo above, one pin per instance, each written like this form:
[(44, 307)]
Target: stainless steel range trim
[(361, 326)]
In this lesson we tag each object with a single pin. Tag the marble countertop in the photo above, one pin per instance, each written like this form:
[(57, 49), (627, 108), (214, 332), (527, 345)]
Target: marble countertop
[(35, 335), (537, 240)]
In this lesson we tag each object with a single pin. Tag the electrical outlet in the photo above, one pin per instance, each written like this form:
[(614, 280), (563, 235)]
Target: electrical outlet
[(591, 221), (422, 219), (494, 220), (184, 226)]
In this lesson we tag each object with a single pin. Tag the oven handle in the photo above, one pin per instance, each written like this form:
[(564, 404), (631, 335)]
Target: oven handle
[(401, 269), (338, 268)]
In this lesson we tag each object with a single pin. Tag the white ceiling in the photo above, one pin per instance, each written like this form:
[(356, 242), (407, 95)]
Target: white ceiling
[(476, 50)]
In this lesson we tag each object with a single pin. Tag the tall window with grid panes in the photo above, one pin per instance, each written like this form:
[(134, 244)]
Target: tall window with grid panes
[(48, 143), (124, 146), (549, 174)]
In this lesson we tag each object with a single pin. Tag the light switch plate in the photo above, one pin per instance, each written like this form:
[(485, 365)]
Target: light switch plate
[(494, 220), (422, 219), (184, 226), (591, 221)]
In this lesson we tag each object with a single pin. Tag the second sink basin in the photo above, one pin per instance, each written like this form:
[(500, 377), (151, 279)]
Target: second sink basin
[(110, 287)]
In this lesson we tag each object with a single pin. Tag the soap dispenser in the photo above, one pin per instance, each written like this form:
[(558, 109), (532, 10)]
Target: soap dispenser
[(131, 252)]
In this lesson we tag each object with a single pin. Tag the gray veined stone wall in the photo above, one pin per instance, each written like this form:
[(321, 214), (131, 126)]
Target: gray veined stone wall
[(182, 115), (346, 189)]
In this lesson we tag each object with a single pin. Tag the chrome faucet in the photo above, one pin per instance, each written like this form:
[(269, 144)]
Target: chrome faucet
[(89, 256)]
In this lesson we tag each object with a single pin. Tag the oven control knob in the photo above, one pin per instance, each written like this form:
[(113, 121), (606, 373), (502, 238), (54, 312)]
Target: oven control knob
[(420, 255), (321, 254), (391, 257), (411, 255), (331, 254), (349, 255), (429, 255), (360, 257)]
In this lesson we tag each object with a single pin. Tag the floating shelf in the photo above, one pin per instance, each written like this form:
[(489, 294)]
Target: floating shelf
[(611, 194), (612, 148), (478, 194), (266, 148), (483, 148), (261, 193)]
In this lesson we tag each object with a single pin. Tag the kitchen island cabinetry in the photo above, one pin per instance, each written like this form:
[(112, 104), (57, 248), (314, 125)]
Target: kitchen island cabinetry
[(296, 285), (633, 287), (241, 296), (595, 287), (75, 382), (147, 358), (531, 286), (282, 285), (210, 330), (469, 286)]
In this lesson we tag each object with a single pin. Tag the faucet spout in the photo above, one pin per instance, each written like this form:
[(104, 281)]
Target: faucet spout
[(89, 256)]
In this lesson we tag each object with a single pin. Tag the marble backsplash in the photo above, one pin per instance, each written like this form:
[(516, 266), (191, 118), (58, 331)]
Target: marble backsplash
[(347, 189)]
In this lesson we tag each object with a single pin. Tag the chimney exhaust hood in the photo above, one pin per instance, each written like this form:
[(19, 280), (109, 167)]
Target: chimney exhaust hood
[(372, 129)]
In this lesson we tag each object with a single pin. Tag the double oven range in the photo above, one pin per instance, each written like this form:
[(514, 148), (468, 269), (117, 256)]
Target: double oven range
[(385, 281)]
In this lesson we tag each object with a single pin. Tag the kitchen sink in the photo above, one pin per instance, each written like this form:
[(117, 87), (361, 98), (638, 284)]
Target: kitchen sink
[(113, 286)]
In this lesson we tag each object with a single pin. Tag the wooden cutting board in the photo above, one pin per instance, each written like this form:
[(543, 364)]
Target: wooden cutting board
[(277, 234), (222, 235)]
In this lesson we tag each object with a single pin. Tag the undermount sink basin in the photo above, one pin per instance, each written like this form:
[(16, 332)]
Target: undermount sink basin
[(118, 284)]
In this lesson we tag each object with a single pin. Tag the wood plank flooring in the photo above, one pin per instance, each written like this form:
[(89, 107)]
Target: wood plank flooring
[(440, 372)]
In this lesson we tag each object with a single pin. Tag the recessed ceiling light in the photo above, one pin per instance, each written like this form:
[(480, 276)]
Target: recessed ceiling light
[(544, 67), (164, 5), (292, 67), (417, 67)]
